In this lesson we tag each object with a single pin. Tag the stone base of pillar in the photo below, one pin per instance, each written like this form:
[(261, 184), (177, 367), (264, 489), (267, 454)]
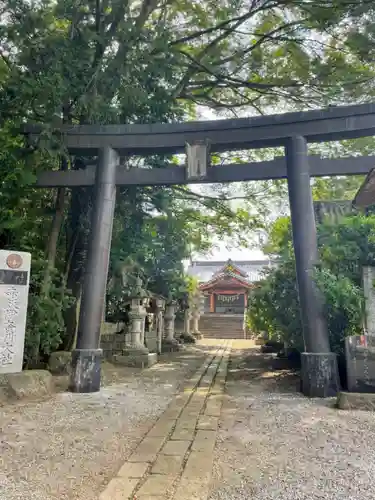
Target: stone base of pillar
[(319, 375), (137, 358), (168, 345), (188, 338), (198, 335), (86, 369)]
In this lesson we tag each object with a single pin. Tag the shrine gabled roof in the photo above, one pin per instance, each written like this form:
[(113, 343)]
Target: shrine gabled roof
[(230, 266), (205, 271), (223, 276)]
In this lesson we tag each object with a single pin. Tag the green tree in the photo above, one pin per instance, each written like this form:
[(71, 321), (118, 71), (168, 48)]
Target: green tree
[(344, 249)]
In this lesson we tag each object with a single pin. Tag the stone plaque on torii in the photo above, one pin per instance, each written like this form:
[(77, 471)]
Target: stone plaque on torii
[(292, 131)]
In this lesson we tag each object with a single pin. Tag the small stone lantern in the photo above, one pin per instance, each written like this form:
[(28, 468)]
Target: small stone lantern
[(169, 343), (136, 353), (138, 315)]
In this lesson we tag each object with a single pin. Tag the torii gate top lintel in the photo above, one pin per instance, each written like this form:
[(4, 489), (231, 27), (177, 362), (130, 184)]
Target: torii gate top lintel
[(333, 123)]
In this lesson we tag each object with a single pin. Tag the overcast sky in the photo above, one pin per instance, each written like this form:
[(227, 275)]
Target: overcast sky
[(223, 249)]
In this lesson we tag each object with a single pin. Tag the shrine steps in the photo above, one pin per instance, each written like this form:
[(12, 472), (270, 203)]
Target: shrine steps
[(222, 326)]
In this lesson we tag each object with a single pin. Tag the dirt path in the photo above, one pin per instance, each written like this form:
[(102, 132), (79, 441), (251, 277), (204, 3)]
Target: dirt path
[(183, 431), (70, 446), (275, 444)]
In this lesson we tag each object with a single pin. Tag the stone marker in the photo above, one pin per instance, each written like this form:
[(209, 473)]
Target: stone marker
[(360, 363), (368, 278), (14, 292)]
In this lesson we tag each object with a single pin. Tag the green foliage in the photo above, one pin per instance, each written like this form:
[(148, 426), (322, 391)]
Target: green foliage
[(273, 305), (279, 240), (45, 321), (344, 304), (345, 248), (336, 188)]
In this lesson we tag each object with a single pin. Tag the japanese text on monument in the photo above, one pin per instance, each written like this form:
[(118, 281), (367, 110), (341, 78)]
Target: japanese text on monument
[(14, 288), (8, 330)]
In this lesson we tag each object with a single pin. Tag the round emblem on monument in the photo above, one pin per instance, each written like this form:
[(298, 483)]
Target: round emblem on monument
[(14, 261)]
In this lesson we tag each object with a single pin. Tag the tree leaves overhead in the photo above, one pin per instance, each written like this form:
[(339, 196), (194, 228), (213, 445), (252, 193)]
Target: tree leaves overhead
[(86, 58)]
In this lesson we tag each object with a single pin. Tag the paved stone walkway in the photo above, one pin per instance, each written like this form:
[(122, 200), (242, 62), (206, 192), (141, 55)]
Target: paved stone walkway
[(175, 458)]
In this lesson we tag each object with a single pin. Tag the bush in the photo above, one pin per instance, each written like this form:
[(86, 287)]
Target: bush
[(344, 305), (45, 321), (274, 306)]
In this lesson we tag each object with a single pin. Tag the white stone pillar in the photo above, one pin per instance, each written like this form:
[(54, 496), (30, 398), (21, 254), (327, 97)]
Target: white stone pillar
[(368, 279), (14, 293), (137, 317), (169, 342), (170, 316), (196, 312)]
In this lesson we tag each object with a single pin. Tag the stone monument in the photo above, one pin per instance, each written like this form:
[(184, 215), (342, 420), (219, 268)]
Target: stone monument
[(368, 279), (360, 363), (14, 292)]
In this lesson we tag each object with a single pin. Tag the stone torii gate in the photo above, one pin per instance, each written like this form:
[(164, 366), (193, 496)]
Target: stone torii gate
[(293, 131)]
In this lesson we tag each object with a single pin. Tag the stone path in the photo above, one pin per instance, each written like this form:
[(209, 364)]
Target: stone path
[(175, 458)]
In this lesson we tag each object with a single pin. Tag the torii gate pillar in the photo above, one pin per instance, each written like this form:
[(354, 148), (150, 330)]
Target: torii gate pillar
[(319, 376), (86, 358)]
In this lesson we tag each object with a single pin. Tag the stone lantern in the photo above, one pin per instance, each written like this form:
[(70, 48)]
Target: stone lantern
[(169, 343), (135, 353)]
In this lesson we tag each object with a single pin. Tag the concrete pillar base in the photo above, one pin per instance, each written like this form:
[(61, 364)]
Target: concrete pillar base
[(198, 335), (85, 374), (170, 345), (136, 358), (319, 375)]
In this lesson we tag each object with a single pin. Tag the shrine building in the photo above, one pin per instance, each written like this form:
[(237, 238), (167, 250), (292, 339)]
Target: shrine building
[(226, 285)]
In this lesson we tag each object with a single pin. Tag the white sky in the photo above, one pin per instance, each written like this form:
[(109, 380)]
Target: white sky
[(221, 250)]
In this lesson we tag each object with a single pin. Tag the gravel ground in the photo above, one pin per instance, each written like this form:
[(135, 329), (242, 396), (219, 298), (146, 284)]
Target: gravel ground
[(276, 444), (70, 446)]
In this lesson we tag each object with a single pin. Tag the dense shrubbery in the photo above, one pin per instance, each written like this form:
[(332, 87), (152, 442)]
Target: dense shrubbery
[(344, 249)]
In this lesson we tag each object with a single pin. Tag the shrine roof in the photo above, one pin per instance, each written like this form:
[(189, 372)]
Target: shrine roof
[(226, 278), (251, 270)]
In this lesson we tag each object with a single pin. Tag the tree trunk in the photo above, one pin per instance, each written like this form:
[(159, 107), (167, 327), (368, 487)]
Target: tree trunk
[(53, 239), (78, 230)]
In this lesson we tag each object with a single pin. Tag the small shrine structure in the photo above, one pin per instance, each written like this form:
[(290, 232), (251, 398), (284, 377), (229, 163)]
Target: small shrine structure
[(226, 285)]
